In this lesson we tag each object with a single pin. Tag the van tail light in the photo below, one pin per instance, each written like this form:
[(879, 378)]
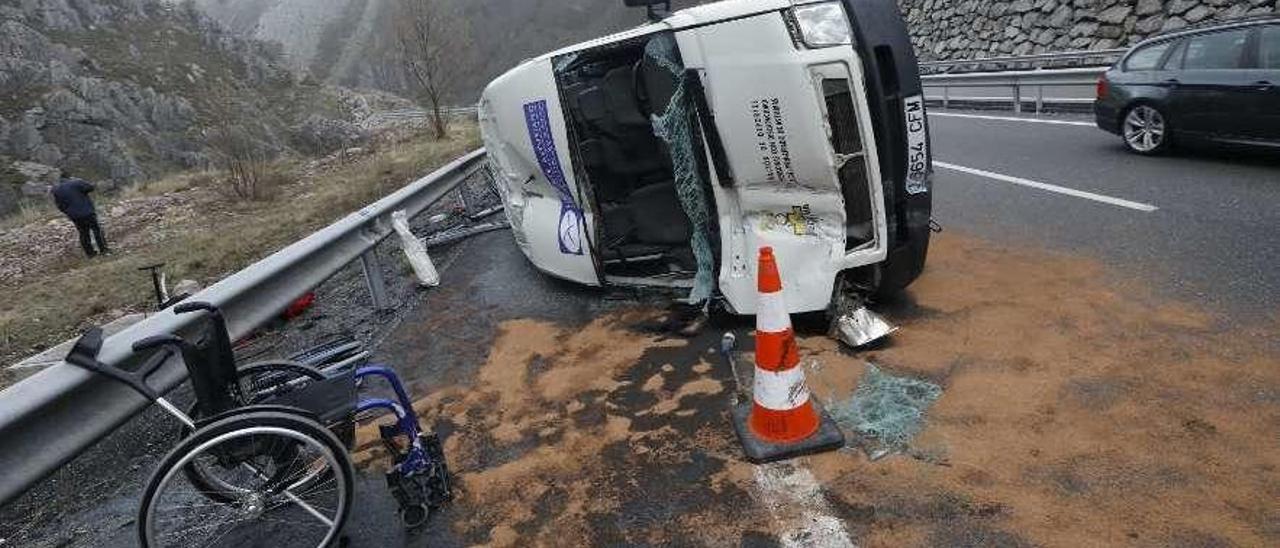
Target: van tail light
[(1102, 87)]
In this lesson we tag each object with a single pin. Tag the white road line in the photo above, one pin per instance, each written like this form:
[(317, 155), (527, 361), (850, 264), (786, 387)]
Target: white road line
[(1138, 206), (795, 501), (1014, 119)]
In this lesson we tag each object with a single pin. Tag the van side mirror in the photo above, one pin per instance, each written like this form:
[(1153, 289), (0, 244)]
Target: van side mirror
[(657, 9)]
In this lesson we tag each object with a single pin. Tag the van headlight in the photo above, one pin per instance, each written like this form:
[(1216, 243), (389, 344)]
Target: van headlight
[(822, 24)]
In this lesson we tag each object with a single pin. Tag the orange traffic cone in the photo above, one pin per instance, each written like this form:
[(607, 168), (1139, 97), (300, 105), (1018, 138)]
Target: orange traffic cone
[(782, 421)]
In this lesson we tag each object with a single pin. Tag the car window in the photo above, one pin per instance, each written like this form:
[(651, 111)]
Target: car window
[(1269, 47), (1147, 57), (1219, 50), (1174, 61)]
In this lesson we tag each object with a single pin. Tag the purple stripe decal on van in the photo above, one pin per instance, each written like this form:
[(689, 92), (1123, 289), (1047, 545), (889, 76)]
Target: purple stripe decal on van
[(569, 228)]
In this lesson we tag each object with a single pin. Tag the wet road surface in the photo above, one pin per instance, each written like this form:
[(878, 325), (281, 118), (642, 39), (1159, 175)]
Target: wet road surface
[(1212, 238), (1093, 392), (1072, 401)]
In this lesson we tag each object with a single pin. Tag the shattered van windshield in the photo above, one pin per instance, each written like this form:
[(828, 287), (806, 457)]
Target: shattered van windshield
[(675, 127)]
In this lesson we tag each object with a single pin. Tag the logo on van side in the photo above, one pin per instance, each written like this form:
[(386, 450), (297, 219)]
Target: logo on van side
[(800, 221), (569, 230)]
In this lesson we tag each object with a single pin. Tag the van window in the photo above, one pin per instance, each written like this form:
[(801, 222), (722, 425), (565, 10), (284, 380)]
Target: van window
[(1269, 47), (1146, 58), (1216, 51)]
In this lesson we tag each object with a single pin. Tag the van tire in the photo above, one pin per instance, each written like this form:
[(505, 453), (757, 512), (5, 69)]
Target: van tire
[(900, 269)]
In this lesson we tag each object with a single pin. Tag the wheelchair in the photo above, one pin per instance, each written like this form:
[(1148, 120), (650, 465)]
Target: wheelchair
[(263, 451)]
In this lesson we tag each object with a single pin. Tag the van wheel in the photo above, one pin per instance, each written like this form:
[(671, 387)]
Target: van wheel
[(1145, 130), (901, 268)]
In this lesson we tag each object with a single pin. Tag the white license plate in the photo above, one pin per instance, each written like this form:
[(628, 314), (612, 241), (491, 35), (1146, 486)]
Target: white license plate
[(917, 145)]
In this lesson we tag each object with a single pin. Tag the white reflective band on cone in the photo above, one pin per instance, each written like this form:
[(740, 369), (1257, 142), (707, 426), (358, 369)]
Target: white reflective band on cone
[(771, 314), (780, 390)]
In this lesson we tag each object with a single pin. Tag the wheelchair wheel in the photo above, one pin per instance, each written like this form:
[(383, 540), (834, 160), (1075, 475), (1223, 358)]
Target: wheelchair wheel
[(260, 381), (283, 479)]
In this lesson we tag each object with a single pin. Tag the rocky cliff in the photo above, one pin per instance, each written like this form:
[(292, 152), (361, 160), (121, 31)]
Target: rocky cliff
[(351, 42), (964, 29), (342, 42), (122, 90)]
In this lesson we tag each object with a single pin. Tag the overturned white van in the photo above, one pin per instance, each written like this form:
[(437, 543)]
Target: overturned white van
[(669, 154)]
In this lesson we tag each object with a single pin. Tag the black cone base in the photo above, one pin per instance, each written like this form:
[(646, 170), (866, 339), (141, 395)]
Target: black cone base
[(827, 438)]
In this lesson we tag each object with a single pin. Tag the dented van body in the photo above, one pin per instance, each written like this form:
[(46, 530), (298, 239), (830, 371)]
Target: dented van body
[(667, 155)]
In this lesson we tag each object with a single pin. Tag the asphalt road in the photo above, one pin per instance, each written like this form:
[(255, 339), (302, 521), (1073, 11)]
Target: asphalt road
[(571, 416), (1211, 239)]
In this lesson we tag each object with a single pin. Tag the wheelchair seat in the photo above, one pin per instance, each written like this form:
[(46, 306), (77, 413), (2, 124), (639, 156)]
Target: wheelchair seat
[(332, 400), (216, 381)]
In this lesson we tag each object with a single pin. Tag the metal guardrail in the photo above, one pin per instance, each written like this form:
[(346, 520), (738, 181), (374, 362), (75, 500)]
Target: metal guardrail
[(1039, 61), (1059, 79), (1016, 88), (413, 115), (49, 418)]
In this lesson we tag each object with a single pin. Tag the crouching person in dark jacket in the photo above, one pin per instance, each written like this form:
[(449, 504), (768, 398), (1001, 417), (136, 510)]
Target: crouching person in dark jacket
[(72, 197)]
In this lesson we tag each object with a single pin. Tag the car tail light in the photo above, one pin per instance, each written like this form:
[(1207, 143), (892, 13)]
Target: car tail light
[(1102, 87)]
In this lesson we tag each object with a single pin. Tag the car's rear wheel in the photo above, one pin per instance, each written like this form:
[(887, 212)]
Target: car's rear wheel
[(1145, 130)]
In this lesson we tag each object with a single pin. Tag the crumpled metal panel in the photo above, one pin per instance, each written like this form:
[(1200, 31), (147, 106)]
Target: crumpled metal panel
[(861, 327)]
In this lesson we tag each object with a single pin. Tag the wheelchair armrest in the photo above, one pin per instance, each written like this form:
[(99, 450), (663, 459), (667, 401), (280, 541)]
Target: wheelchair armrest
[(85, 355), (158, 341)]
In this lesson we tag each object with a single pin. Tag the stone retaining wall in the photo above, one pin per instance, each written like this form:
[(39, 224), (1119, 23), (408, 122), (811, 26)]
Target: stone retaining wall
[(965, 29)]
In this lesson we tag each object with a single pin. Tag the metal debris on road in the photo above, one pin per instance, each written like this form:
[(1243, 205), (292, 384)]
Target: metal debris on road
[(861, 327), (886, 411), (485, 212), (462, 232)]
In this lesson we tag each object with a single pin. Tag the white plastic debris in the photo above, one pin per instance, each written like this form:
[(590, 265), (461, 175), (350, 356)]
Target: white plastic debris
[(861, 327), (415, 251)]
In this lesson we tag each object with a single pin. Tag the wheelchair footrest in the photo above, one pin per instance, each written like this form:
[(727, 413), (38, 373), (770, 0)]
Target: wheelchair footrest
[(420, 481)]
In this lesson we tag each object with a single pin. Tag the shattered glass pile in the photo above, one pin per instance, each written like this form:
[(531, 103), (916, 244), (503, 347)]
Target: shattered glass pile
[(676, 130), (886, 410)]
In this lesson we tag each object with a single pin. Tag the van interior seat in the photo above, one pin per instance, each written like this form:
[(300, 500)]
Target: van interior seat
[(653, 215), (658, 85), (619, 87)]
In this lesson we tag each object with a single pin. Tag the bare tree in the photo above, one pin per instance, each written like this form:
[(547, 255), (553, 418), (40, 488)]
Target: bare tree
[(243, 158), (433, 42), (236, 143)]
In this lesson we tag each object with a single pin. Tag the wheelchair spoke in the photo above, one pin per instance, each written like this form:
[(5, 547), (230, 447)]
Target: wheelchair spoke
[(315, 513)]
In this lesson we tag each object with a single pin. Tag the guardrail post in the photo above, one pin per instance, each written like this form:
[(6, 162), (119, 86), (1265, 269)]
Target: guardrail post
[(946, 97), (1017, 98), (373, 279), (1039, 99)]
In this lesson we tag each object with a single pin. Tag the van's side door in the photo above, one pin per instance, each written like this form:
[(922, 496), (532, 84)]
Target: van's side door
[(1210, 91)]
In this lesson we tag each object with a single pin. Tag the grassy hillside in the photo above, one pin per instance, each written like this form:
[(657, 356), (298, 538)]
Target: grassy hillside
[(170, 221)]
